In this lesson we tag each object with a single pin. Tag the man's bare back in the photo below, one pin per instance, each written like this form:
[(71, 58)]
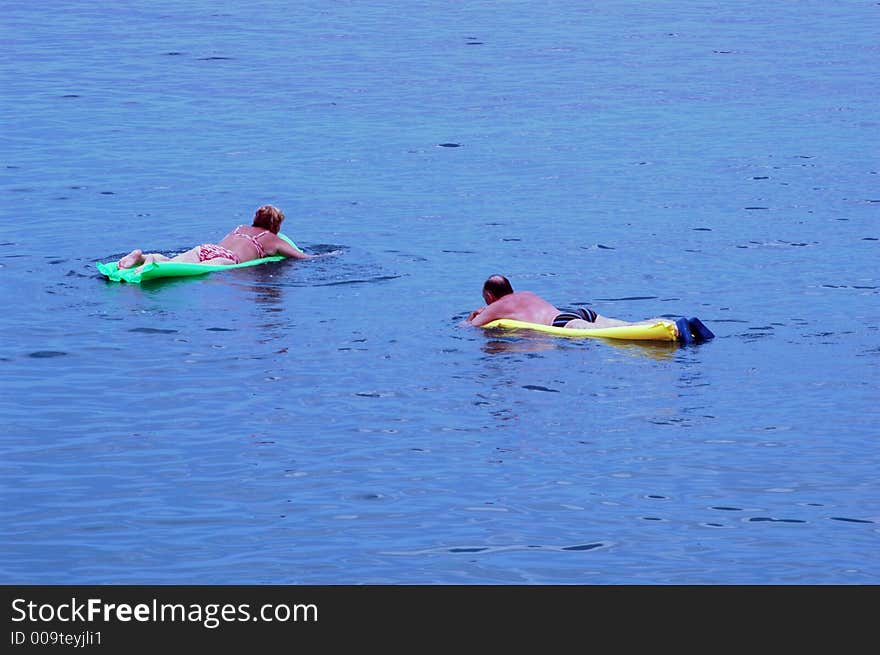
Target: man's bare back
[(520, 305)]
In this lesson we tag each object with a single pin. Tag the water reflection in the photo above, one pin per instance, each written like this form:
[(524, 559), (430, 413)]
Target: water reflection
[(264, 288), (508, 346), (656, 350)]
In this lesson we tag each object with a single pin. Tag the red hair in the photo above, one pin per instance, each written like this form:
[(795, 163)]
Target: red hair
[(269, 217)]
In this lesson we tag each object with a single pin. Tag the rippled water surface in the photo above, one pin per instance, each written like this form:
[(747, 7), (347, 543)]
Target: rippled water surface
[(327, 421)]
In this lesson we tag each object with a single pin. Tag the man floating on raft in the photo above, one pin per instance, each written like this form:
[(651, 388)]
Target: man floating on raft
[(523, 309)]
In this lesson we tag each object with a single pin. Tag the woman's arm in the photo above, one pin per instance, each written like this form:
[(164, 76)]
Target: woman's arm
[(284, 248)]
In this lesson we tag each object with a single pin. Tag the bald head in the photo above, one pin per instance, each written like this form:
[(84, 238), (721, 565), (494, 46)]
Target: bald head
[(497, 286)]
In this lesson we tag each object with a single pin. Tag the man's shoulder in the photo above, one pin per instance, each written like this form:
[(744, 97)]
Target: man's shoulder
[(525, 296)]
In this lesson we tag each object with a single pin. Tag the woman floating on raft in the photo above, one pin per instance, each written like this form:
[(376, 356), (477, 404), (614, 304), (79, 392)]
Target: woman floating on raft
[(243, 244), (526, 308)]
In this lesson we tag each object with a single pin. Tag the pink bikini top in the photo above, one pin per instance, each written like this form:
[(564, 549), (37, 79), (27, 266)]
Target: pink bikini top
[(253, 239)]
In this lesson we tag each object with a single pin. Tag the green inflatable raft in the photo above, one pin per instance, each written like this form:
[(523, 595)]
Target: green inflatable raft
[(156, 270)]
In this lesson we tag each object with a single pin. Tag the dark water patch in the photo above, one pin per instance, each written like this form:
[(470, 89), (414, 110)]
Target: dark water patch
[(70, 95), (149, 330), (220, 329), (56, 261), (61, 198), (777, 244), (583, 547), (601, 246), (379, 278), (761, 177), (537, 387), (327, 248), (467, 550), (47, 354), (714, 525), (449, 145), (108, 193), (657, 497), (701, 229), (722, 508), (769, 519), (847, 520), (510, 239), (410, 257), (172, 53), (474, 43), (652, 518), (627, 298), (459, 252), (371, 497), (21, 190), (870, 239), (754, 208), (671, 421), (216, 58)]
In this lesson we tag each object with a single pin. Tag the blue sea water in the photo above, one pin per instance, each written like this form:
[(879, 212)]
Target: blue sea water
[(328, 421)]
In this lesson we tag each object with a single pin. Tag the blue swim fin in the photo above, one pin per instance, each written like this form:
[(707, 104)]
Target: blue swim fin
[(701, 332), (684, 331)]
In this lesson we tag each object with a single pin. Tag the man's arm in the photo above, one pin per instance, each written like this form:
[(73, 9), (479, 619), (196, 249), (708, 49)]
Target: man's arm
[(471, 316), (483, 315)]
